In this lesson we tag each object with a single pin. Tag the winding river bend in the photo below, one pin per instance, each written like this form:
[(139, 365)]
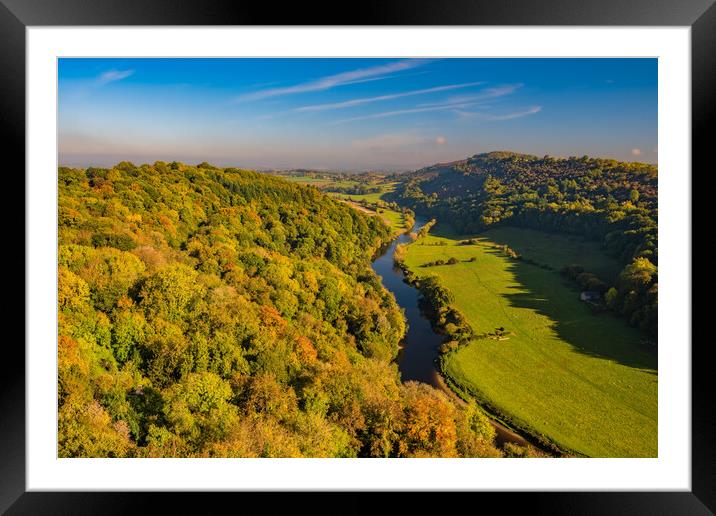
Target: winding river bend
[(421, 345)]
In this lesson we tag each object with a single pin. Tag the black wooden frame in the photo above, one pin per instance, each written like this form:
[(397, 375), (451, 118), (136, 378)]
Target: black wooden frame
[(16, 15)]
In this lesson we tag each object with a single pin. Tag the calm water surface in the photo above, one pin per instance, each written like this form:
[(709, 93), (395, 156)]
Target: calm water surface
[(421, 344)]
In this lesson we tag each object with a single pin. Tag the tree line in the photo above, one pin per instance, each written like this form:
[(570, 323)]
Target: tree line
[(606, 200), (207, 312)]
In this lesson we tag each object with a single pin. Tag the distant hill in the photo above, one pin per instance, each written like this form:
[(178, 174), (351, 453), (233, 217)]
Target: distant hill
[(601, 199), (597, 179)]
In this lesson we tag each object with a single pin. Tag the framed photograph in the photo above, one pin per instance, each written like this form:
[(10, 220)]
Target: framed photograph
[(418, 252)]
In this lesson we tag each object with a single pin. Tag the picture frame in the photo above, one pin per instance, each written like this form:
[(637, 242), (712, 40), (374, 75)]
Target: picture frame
[(17, 15)]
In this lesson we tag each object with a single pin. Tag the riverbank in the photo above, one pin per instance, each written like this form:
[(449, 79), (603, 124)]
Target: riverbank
[(503, 434), (399, 221), (417, 360), (441, 319), (539, 360)]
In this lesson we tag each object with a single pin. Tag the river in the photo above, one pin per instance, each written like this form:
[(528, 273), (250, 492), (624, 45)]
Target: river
[(420, 347)]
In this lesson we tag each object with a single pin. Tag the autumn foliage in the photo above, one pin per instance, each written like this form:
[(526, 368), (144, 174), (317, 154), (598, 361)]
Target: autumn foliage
[(209, 312)]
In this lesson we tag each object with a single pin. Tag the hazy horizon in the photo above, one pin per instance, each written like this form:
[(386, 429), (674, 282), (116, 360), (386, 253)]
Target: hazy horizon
[(108, 161), (352, 114)]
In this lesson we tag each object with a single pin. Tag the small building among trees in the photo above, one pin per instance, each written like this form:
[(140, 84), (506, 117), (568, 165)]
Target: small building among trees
[(590, 295)]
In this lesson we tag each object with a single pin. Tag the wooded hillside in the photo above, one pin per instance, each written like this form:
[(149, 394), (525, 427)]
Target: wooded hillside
[(223, 312), (609, 201)]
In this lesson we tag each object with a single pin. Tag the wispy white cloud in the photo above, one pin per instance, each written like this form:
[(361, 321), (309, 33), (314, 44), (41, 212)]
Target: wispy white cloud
[(113, 75), (456, 103), (451, 104), (495, 117), (332, 81), (397, 112), (482, 95), (367, 100), (636, 152)]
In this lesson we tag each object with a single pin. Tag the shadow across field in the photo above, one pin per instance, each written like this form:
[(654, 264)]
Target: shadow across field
[(547, 293)]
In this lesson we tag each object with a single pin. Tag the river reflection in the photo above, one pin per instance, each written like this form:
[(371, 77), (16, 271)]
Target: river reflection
[(421, 345)]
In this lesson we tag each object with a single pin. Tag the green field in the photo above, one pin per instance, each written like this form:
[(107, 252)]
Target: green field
[(319, 181), (557, 251), (394, 219), (579, 379), (322, 183), (371, 197), (308, 180)]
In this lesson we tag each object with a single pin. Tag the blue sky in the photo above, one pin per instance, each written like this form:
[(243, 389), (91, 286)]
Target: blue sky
[(352, 114)]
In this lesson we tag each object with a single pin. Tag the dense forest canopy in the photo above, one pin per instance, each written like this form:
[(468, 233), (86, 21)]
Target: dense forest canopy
[(606, 200), (223, 312)]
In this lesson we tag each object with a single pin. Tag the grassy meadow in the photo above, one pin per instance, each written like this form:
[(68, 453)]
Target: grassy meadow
[(370, 198), (370, 202), (307, 180), (557, 250), (395, 220), (576, 378)]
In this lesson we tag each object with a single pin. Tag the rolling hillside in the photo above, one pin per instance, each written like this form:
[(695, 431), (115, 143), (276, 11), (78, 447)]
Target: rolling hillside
[(610, 202)]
